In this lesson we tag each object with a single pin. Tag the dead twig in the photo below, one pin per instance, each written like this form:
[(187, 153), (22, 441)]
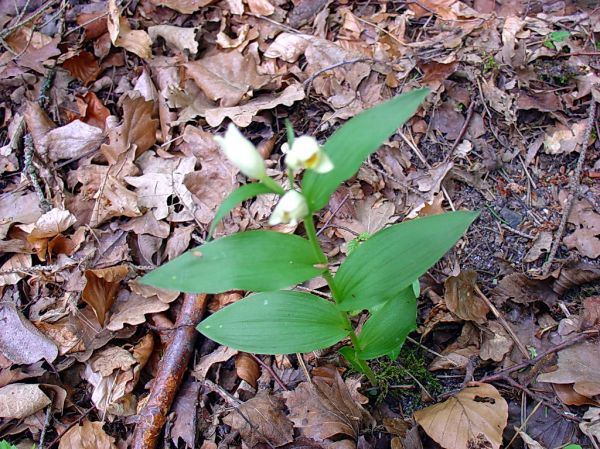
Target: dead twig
[(530, 362), (308, 82), (272, 373), (173, 365), (504, 323), (462, 132), (31, 18), (574, 183)]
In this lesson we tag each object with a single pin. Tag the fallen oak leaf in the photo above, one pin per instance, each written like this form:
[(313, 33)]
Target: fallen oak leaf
[(579, 365), (89, 435), (101, 289), (325, 409), (243, 115), (261, 420), (121, 34), (474, 417), (461, 298), (176, 37), (17, 401)]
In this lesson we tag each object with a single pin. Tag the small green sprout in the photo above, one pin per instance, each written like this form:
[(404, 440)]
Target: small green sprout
[(555, 37)]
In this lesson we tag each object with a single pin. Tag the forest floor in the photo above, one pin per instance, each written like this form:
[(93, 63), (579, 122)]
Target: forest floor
[(109, 169)]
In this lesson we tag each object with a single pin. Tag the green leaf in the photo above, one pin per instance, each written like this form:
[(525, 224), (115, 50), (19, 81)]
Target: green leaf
[(559, 36), (394, 257), (387, 328), (350, 145), (280, 322), (240, 194), (6, 445), (253, 260)]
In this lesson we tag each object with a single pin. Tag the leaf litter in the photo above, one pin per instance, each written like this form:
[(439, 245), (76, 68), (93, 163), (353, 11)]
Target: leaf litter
[(109, 169)]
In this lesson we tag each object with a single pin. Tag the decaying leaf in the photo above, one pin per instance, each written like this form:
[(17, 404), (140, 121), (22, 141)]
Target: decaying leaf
[(183, 6), (222, 354), (88, 435), (325, 409), (18, 401), (591, 424), (586, 237), (461, 298), (131, 308), (262, 420), (101, 288), (121, 34), (541, 245), (496, 342), (474, 417), (20, 341), (579, 365), (243, 115), (176, 37), (226, 76), (247, 368)]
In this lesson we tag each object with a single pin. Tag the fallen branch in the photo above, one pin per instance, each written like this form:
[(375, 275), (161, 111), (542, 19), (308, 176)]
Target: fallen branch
[(501, 375), (172, 367), (573, 189)]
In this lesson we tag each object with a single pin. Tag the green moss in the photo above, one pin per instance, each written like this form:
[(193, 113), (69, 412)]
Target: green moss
[(409, 369), (489, 63)]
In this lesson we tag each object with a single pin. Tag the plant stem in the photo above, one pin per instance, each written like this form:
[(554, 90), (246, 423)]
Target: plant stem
[(309, 226)]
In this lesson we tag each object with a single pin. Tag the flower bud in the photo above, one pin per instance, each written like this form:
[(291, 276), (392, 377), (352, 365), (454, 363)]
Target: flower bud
[(306, 153), (242, 153), (291, 209)]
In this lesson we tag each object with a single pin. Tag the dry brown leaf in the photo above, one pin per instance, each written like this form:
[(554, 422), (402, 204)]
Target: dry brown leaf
[(567, 394), (162, 179), (64, 334), (521, 289), (262, 420), (72, 141), (18, 206), (462, 300), (247, 368), (138, 128), (590, 315), (288, 47), (183, 6), (92, 110), (16, 262), (179, 38), (586, 237), (226, 76), (325, 409), (261, 7), (372, 215), (130, 308), (179, 241), (89, 435), (496, 342), (83, 66), (18, 401), (147, 291), (20, 341), (564, 139), (49, 225), (222, 354), (579, 365), (474, 417), (101, 288), (458, 355), (541, 245), (121, 34), (530, 442), (243, 115), (148, 224), (217, 178), (185, 408), (591, 424)]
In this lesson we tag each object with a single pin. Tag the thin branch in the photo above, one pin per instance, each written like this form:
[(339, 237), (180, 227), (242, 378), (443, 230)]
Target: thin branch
[(573, 189)]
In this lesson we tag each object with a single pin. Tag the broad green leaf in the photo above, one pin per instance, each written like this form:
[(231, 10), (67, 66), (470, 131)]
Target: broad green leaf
[(393, 258), (387, 328), (350, 145), (253, 260), (280, 322), (240, 194)]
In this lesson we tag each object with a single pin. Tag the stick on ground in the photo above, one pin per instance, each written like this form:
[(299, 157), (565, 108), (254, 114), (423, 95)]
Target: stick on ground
[(172, 367)]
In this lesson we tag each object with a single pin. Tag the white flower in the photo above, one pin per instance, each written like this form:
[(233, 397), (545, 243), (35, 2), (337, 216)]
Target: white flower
[(306, 153), (242, 153), (291, 209)]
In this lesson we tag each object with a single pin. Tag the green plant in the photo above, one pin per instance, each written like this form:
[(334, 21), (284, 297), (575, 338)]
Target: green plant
[(555, 37), (6, 445), (489, 62), (378, 276)]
